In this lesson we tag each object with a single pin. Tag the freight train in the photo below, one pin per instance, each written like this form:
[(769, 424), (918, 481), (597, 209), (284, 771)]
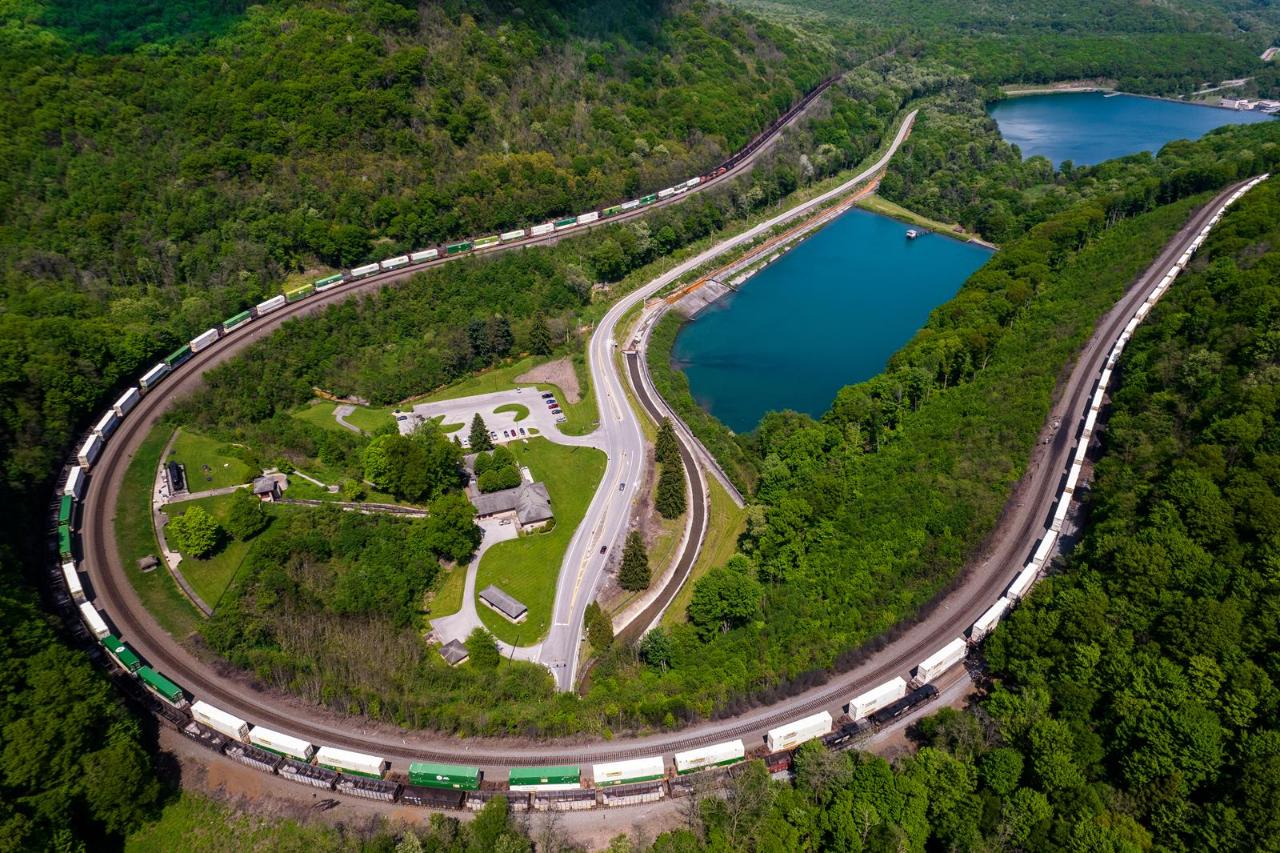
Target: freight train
[(452, 786)]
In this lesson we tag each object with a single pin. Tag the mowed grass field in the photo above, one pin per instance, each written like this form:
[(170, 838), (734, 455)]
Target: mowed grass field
[(136, 538), (208, 463), (527, 568), (210, 577), (447, 598)]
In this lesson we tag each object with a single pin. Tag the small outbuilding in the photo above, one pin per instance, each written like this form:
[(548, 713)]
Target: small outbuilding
[(177, 477), (504, 604), (454, 652), (266, 489), (148, 563)]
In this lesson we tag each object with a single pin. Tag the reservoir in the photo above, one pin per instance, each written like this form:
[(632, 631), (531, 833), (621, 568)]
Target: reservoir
[(1089, 127), (826, 314)]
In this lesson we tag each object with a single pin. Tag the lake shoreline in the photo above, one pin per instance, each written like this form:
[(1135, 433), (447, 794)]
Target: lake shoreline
[(1084, 89)]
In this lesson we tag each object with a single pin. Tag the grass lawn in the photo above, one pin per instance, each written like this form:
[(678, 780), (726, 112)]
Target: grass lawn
[(207, 462), (726, 524), (519, 412), (447, 598), (211, 576), (370, 420), (502, 378), (136, 538), (320, 413), (527, 568), (876, 204)]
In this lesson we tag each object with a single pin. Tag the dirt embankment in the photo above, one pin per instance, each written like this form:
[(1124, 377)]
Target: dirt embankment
[(559, 373)]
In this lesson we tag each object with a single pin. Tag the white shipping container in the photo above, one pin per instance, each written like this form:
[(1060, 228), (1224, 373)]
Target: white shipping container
[(1090, 421), (395, 263), (153, 376), (799, 731), (635, 770), (1060, 514), (876, 698), (424, 255), (1023, 582), (545, 228), (270, 305), (710, 756), (127, 401), (90, 450), (1045, 548), (667, 193), (692, 182), (283, 744), (1082, 452), (93, 620), (508, 236), (220, 721), (1142, 311), (1073, 478), (205, 338), (1105, 379), (72, 577), (356, 762), (630, 205), (940, 661), (988, 621), (107, 424), (367, 269), (75, 482), (588, 217)]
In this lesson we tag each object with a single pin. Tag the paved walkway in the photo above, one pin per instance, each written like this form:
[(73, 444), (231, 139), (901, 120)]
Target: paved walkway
[(340, 415), (459, 626)]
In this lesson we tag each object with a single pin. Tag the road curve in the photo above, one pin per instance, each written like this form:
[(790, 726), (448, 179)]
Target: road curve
[(1013, 539)]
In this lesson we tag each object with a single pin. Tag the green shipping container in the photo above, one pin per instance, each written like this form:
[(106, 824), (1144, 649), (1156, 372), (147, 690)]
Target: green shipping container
[(457, 248), (239, 319), (178, 356), (611, 211), (486, 241), (122, 653), (160, 684), (564, 223), (430, 775), (530, 776), (649, 199), (64, 541), (299, 292), (329, 279), (64, 510)]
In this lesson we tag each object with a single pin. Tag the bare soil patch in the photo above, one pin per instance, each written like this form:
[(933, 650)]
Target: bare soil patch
[(559, 373)]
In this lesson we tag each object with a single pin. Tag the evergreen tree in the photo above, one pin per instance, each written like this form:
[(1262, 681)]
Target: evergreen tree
[(540, 336), (634, 574), (670, 499), (665, 447), (479, 435), (599, 627)]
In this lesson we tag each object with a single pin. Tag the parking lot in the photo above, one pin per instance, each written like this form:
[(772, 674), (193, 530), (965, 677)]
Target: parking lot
[(499, 410)]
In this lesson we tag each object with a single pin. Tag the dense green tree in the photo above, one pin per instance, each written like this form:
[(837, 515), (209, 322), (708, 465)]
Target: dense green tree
[(657, 648), (195, 532), (450, 530), (666, 449), (724, 597), (540, 336), (482, 649), (599, 627), (496, 479), (670, 499), (247, 517), (634, 573)]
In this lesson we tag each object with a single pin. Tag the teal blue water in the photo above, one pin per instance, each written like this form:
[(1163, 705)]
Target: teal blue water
[(828, 313), (1090, 127)]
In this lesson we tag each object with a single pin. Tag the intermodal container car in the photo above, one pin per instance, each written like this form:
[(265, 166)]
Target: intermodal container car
[(161, 686), (1023, 582), (107, 424), (561, 778), (355, 763), (72, 579), (486, 242), (649, 199), (876, 698), (508, 236), (275, 303), (64, 542), (544, 228), (65, 506), (692, 182), (624, 772), (630, 205), (93, 620), (424, 255), (940, 661), (74, 486), (987, 621), (235, 321), (205, 338), (568, 222), (127, 401), (430, 775), (797, 732), (362, 271), (611, 211), (301, 292), (178, 356), (718, 755), (281, 743), (122, 653), (328, 281), (152, 377), (90, 450), (587, 218), (457, 248), (667, 193), (395, 263), (220, 721)]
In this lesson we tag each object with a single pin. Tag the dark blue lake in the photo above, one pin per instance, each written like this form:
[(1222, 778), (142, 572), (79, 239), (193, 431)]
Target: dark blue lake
[(827, 314), (1089, 127)]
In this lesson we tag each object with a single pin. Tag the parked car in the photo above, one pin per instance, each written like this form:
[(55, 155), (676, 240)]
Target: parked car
[(622, 487), (604, 548), (556, 412), (547, 395), (522, 431)]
